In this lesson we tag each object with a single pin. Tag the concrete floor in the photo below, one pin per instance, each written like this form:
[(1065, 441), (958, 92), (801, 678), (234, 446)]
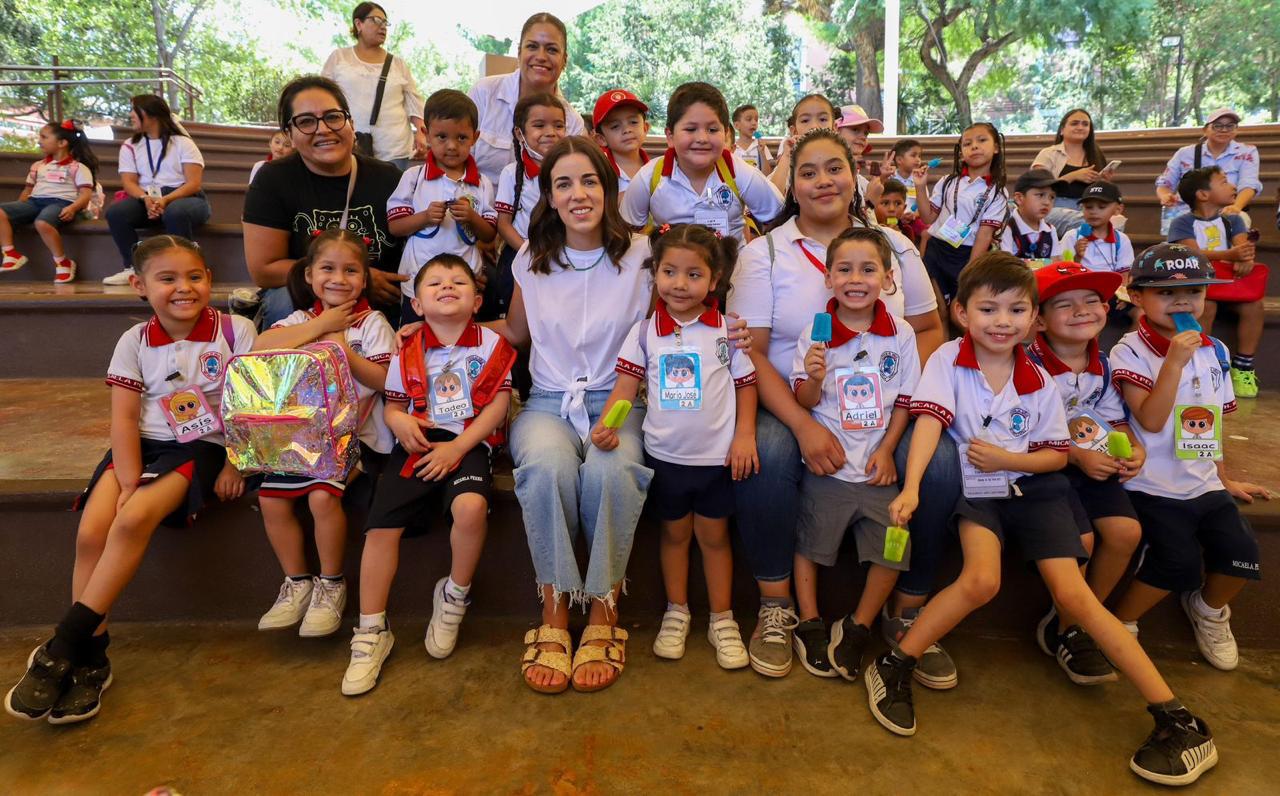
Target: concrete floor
[(212, 709)]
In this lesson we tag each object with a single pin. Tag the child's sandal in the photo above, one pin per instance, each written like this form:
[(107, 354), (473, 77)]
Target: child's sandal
[(555, 661), (613, 653)]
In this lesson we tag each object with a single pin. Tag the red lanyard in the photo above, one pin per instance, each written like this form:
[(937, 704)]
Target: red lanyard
[(821, 266)]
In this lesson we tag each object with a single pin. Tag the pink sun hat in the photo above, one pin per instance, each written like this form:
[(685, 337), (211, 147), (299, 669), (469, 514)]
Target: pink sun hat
[(855, 116)]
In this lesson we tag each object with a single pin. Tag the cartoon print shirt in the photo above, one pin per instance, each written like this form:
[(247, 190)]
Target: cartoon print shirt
[(148, 361)]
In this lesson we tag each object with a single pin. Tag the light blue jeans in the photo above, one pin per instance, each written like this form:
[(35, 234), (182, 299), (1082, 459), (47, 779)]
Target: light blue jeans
[(566, 485)]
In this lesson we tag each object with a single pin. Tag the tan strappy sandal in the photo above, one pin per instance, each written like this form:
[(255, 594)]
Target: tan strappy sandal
[(614, 653), (555, 661)]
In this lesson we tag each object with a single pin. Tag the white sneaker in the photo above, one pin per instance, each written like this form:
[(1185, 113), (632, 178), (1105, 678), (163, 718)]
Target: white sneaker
[(724, 635), (370, 646), (1213, 634), (120, 278), (671, 635), (324, 615), (290, 605), (1132, 627), (446, 620)]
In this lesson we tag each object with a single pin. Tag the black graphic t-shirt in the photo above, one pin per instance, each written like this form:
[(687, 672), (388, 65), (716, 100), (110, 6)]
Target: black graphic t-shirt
[(286, 195)]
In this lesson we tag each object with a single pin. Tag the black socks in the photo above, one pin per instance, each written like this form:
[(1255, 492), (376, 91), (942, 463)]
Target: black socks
[(72, 639)]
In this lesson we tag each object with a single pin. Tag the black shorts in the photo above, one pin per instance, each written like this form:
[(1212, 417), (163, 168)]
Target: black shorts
[(944, 263), (678, 490), (1092, 499), (280, 485), (411, 503), (1180, 537), (1040, 519), (199, 462)]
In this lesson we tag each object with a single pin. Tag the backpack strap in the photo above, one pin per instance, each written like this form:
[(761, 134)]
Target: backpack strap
[(413, 372), (773, 253), (1220, 350), (228, 330)]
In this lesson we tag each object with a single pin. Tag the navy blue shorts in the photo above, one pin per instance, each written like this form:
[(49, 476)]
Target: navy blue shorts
[(1180, 537), (1093, 499), (678, 490), (199, 462), (944, 263), (1040, 519), (411, 503)]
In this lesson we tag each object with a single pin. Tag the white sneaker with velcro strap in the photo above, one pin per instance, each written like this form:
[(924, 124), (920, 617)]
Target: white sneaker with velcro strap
[(446, 621), (671, 635)]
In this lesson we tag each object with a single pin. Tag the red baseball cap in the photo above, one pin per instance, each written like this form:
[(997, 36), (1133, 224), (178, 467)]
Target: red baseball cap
[(614, 98), (1057, 278)]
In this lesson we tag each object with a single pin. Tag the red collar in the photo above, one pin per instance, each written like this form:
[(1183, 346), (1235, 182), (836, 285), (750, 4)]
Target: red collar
[(666, 325), (1111, 234), (881, 324), (669, 161), (988, 178), (644, 158), (63, 162), (470, 175), (1158, 342), (1054, 364), (205, 330), (1026, 376), (470, 337), (531, 166), (362, 306)]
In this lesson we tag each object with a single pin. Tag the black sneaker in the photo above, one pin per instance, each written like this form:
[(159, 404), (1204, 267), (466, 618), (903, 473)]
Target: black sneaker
[(1178, 750), (1047, 637), (40, 688), (848, 644), (83, 697), (1080, 658), (888, 681), (810, 640)]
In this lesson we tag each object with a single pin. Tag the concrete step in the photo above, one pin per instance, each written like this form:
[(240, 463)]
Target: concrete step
[(225, 198), (16, 164)]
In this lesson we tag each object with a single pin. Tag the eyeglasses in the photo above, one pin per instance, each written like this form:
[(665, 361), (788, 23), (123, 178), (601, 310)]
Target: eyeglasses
[(309, 123), (1223, 127), (377, 20)]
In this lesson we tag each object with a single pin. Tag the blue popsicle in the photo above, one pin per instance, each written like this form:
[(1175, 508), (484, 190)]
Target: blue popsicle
[(1085, 230), (935, 163), (757, 135), (1185, 322), (821, 328)]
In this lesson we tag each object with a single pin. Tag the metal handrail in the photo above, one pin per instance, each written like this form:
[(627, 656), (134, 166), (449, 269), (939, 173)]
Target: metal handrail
[(159, 76)]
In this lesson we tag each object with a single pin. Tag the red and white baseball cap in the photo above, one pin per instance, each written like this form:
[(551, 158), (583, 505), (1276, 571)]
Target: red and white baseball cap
[(615, 98), (855, 116), (1060, 277)]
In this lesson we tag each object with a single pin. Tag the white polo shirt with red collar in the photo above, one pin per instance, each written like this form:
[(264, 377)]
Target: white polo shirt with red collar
[(418, 188), (885, 355), (58, 179), (1087, 391), (1137, 360), (1024, 417), (1111, 253), (469, 354), (150, 362), (372, 337), (973, 203), (675, 201), (698, 436), (623, 179), (530, 193), (1020, 240)]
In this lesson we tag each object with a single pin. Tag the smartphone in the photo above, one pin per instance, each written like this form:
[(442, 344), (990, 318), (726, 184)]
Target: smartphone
[(1113, 165)]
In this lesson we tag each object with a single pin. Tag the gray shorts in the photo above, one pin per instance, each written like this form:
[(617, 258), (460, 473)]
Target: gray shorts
[(829, 507)]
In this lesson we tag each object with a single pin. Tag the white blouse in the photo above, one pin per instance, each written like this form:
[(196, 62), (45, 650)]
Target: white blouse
[(392, 136)]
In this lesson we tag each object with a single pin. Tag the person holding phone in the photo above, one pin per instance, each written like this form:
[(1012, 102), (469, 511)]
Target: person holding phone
[(1077, 161)]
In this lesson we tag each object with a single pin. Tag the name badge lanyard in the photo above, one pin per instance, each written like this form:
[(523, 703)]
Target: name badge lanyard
[(467, 239), (155, 166), (982, 204), (1115, 251)]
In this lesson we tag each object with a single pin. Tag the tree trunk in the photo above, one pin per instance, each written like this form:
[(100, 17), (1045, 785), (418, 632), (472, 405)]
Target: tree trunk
[(867, 44)]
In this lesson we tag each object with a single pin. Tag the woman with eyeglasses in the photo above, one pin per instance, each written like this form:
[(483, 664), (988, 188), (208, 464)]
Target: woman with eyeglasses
[(382, 118), (1219, 147), (295, 198), (543, 54), (161, 171)]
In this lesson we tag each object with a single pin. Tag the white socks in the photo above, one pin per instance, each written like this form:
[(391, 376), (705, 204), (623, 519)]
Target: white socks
[(1202, 608), (373, 620), (716, 617), (682, 608), (455, 592)]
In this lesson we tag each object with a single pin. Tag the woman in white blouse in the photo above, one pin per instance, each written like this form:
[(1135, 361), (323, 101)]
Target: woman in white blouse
[(358, 71)]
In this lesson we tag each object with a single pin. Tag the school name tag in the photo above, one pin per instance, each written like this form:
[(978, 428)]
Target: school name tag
[(189, 415), (861, 399), (679, 380), (953, 232), (1088, 431), (1197, 433), (714, 220), (450, 397), (977, 484)]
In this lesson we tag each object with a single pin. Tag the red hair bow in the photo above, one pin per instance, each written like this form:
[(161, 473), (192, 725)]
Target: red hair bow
[(68, 124), (664, 229)]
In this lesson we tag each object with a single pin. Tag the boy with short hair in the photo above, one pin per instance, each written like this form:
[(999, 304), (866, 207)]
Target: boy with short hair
[(445, 205), (1176, 388), (1008, 419), (1098, 244), (891, 209), (746, 120), (1225, 240), (621, 125), (1026, 235)]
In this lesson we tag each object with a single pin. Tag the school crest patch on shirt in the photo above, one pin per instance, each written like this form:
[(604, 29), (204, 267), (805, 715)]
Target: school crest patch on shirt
[(889, 365), (211, 365), (1019, 421)]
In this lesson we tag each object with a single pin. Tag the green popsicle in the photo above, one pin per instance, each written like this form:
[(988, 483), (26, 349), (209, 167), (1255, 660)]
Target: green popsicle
[(618, 414), (1118, 445), (895, 542)]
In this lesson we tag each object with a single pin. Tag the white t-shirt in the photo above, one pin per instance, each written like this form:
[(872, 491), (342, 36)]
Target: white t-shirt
[(60, 179), (752, 153), (146, 356), (973, 203), (418, 188), (783, 294), (692, 374), (1137, 359), (1112, 253), (717, 207), (372, 338), (530, 193), (885, 358), (1021, 241), (157, 163), (496, 97), (401, 99), (1024, 417)]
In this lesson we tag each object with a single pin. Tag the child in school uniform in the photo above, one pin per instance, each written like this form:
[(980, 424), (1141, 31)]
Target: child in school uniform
[(1224, 239), (810, 111), (891, 209), (447, 394), (1026, 235), (620, 126), (699, 431), (166, 461), (281, 146), (1105, 247), (746, 120), (1073, 312), (444, 206), (858, 385), (1008, 421), (1177, 391), (697, 180)]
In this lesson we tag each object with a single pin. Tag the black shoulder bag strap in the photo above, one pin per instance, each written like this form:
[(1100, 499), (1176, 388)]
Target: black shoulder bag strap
[(382, 88)]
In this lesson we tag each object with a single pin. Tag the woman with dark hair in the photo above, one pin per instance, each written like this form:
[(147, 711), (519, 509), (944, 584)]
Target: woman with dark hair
[(325, 185), (162, 171), (1077, 160), (543, 54), (381, 90)]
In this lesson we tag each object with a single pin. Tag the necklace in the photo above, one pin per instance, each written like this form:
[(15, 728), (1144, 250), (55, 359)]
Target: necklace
[(587, 268)]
